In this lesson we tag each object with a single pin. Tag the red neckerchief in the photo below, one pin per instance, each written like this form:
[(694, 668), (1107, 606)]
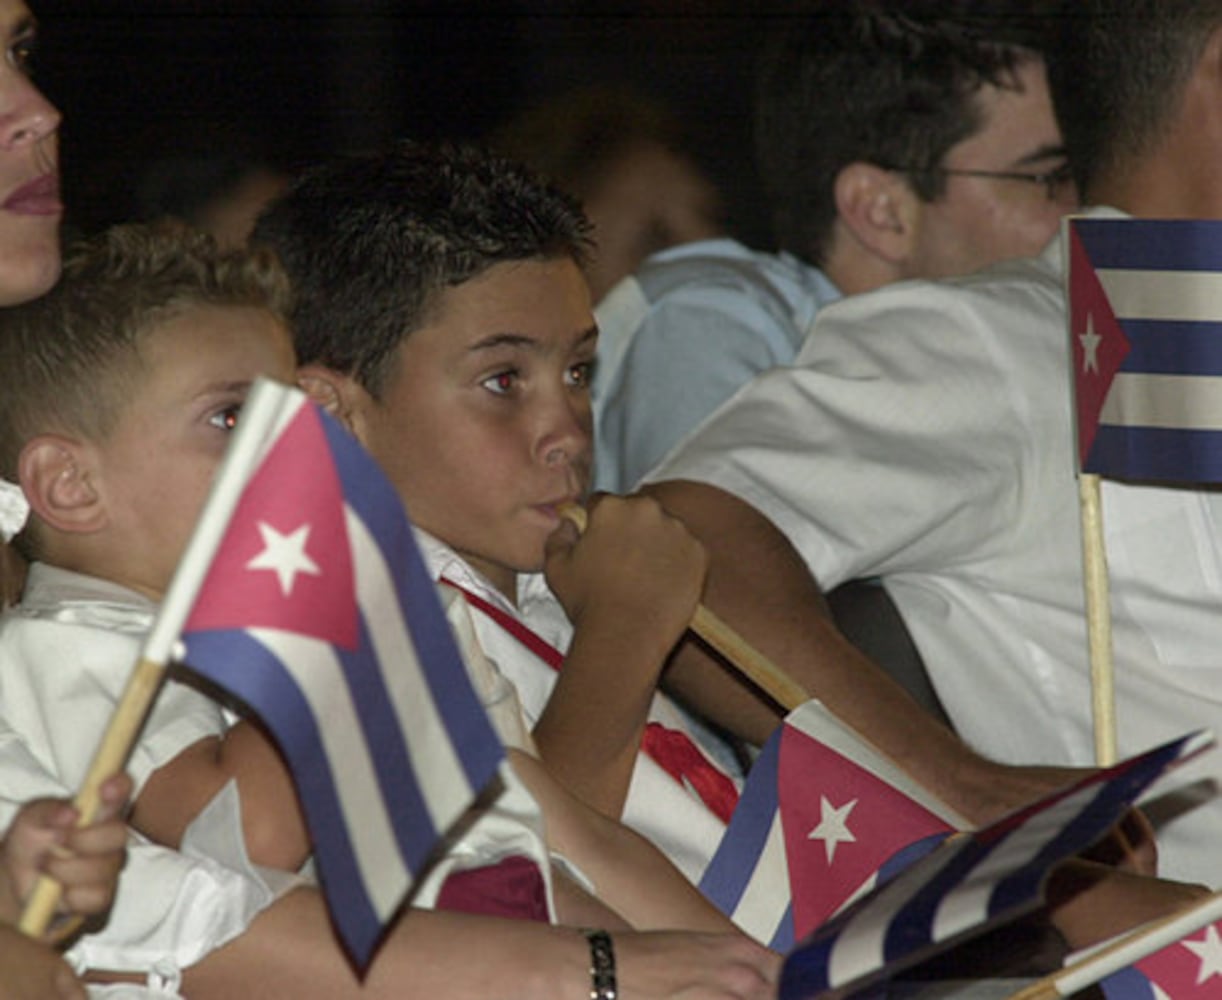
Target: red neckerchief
[(671, 749)]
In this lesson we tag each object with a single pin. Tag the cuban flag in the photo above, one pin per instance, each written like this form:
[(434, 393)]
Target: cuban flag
[(1145, 328), (1189, 969), (970, 883), (302, 593), (823, 818)]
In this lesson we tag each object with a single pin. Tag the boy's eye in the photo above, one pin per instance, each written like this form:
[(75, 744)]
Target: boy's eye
[(226, 419), (501, 382), (580, 374)]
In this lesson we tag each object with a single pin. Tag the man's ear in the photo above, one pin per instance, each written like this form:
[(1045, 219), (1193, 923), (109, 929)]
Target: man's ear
[(56, 475), (336, 393), (879, 209)]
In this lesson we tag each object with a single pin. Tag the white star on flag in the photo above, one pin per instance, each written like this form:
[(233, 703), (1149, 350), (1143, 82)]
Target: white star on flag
[(833, 826), (1090, 346), (1209, 952), (285, 555)]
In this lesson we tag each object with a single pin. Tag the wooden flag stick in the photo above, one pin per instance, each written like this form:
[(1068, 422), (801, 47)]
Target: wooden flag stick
[(111, 755), (1098, 620), (739, 653), (1122, 953)]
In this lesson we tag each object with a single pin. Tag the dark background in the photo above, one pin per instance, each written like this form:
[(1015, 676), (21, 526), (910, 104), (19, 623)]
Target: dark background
[(300, 80)]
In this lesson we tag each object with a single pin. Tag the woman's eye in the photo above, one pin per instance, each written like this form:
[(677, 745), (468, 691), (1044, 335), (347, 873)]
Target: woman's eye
[(501, 382), (226, 419), (21, 55)]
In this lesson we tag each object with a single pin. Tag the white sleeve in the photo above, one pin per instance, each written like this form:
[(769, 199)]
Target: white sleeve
[(887, 445), (174, 907)]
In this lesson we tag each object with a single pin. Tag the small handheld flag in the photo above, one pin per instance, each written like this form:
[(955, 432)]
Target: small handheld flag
[(971, 882), (1145, 299), (823, 818), (314, 608), (1145, 337)]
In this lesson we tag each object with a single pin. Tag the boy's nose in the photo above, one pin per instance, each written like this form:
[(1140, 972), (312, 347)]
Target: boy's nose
[(566, 435)]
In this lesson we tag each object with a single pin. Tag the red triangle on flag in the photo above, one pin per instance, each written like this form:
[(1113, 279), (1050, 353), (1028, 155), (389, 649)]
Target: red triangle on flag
[(285, 560), (1098, 344), (841, 824)]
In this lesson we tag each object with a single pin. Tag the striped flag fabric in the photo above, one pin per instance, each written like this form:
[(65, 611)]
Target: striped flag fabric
[(970, 883), (1145, 330), (823, 818), (1189, 969), (302, 593)]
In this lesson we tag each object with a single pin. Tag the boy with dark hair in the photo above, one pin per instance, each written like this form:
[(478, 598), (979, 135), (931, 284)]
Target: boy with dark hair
[(895, 139), (442, 315)]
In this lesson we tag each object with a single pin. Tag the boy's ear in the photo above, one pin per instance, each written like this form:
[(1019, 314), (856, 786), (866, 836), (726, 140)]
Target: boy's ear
[(334, 392), (56, 477), (879, 209)]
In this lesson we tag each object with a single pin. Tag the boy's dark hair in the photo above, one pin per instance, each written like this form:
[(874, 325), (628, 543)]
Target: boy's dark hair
[(370, 242), (1118, 74), (887, 82), (71, 358)]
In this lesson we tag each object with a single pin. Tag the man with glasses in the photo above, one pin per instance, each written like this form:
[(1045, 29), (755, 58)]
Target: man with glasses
[(924, 434), (896, 139)]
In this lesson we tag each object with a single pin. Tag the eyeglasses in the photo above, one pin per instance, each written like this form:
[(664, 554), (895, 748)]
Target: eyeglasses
[(1054, 181)]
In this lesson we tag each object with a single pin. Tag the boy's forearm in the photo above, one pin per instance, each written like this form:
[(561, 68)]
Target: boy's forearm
[(629, 873), (590, 731), (289, 953), (272, 823), (759, 585)]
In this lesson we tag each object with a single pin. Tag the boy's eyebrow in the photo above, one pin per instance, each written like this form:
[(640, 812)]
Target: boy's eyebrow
[(522, 340), (225, 387)]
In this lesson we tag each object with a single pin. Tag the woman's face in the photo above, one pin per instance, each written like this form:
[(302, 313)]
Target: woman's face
[(30, 208)]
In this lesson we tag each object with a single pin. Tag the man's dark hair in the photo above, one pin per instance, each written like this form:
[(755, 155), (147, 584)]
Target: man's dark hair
[(1118, 73), (888, 82), (370, 241)]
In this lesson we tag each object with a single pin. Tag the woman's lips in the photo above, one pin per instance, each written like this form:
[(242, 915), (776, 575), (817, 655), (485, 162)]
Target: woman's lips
[(39, 197)]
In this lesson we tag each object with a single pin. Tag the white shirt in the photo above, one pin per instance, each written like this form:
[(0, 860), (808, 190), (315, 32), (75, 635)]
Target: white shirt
[(924, 435), (65, 653), (657, 807)]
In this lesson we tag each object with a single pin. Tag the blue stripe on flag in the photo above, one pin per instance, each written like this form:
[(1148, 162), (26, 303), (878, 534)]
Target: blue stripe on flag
[(248, 669), (1172, 347), (1152, 244), (1127, 984), (782, 940), (1158, 453), (908, 855), (384, 740), (729, 872)]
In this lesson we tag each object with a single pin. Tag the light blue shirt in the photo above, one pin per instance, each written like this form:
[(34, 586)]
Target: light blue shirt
[(682, 335)]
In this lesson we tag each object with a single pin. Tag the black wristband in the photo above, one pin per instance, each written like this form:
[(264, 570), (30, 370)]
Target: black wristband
[(602, 966)]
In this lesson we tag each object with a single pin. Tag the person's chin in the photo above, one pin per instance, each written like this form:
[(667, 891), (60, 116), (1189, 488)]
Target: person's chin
[(30, 275)]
